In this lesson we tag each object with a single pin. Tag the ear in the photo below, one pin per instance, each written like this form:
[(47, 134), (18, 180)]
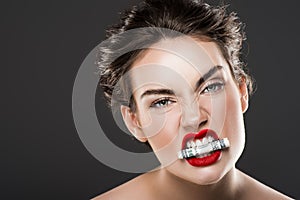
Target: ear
[(132, 123), (244, 95)]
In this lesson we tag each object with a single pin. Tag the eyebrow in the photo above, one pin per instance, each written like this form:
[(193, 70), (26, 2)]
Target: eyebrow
[(208, 74), (157, 91)]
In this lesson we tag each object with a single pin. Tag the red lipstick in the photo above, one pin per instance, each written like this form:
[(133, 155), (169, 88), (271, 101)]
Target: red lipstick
[(205, 160)]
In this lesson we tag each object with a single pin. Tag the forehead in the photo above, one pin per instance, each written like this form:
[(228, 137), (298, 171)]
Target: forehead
[(175, 60)]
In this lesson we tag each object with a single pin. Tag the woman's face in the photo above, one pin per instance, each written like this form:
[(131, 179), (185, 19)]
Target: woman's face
[(181, 88)]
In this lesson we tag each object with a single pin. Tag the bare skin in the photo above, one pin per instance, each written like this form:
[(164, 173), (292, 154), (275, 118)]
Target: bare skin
[(216, 107), (162, 185)]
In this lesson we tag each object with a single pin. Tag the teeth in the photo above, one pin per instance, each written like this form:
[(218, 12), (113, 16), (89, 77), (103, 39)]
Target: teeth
[(193, 144), (197, 143), (188, 145)]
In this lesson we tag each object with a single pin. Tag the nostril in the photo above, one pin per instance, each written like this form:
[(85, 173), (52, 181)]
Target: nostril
[(203, 123)]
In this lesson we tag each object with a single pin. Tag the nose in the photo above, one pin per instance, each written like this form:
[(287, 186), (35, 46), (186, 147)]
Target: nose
[(192, 117)]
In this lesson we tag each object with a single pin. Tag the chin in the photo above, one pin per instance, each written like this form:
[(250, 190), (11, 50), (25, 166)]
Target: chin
[(209, 179), (203, 175), (209, 176)]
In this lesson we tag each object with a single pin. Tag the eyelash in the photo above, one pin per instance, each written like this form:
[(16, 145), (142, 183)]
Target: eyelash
[(217, 86), (156, 103), (167, 101)]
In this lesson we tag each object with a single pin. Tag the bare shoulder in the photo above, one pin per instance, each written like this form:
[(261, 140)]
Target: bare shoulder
[(132, 189), (258, 190)]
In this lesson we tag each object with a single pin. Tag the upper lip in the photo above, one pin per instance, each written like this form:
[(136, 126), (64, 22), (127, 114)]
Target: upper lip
[(201, 134)]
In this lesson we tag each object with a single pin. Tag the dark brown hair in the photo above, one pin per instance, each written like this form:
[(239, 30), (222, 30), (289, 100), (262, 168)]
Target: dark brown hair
[(190, 17)]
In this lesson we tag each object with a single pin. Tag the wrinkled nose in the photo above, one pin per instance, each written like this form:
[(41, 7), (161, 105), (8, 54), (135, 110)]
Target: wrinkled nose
[(192, 118)]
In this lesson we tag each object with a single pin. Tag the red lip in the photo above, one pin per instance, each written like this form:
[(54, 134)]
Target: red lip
[(205, 161)]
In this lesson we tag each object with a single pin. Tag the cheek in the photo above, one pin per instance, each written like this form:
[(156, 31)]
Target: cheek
[(234, 114), (217, 109), (234, 123), (152, 123), (166, 127)]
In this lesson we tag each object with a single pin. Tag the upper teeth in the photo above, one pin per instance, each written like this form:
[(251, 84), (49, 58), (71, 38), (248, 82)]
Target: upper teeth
[(199, 142)]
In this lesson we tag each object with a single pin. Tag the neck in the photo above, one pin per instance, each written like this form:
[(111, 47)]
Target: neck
[(170, 186)]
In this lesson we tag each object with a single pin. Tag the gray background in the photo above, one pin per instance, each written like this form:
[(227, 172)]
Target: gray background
[(43, 43)]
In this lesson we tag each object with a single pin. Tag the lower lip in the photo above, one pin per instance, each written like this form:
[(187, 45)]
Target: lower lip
[(207, 160)]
